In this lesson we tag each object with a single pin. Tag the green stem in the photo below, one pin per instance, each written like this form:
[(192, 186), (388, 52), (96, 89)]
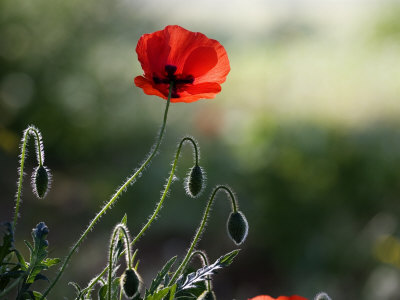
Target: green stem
[(158, 208), (115, 197), (25, 139), (201, 228)]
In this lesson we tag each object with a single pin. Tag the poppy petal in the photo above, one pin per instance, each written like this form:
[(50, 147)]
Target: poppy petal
[(200, 61), (220, 71), (265, 297), (262, 298), (206, 90), (195, 64), (147, 87)]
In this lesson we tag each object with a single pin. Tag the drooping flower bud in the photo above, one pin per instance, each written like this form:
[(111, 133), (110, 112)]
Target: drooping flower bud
[(131, 283), (41, 179), (195, 181), (237, 227), (207, 295), (322, 296)]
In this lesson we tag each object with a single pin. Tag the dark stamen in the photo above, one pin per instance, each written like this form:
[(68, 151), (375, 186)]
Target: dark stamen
[(170, 77), (170, 69)]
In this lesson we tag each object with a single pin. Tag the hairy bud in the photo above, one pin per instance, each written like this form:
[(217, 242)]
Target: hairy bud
[(322, 296), (131, 283), (41, 181), (237, 227), (207, 295), (195, 181)]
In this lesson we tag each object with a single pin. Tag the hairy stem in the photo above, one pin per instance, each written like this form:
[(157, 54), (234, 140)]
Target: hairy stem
[(114, 198), (201, 229), (158, 208), (39, 155)]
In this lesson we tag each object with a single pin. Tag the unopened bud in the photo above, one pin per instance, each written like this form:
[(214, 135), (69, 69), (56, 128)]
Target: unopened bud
[(130, 282), (207, 295), (237, 227), (195, 181), (322, 296), (41, 181)]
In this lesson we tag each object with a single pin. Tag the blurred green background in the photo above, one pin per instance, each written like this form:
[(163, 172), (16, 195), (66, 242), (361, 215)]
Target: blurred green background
[(306, 131)]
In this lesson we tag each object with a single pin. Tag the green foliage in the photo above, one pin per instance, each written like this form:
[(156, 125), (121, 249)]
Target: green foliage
[(190, 280), (162, 275), (21, 271), (8, 270)]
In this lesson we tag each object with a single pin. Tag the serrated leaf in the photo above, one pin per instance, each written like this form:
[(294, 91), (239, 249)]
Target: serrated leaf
[(160, 276), (190, 281), (38, 261), (51, 262), (227, 259)]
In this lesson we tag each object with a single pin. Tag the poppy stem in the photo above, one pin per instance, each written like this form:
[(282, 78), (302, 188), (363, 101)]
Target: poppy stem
[(109, 204), (201, 228), (156, 211), (31, 130)]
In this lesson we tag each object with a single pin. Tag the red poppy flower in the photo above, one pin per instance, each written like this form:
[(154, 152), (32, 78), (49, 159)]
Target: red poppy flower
[(265, 297), (193, 63)]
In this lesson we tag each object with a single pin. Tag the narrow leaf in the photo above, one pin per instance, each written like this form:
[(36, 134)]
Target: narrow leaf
[(160, 276)]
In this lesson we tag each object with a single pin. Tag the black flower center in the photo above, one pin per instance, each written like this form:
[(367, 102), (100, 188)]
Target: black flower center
[(169, 77)]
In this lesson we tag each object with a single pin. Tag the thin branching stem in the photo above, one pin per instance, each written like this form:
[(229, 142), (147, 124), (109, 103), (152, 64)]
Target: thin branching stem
[(115, 197), (201, 228), (159, 205)]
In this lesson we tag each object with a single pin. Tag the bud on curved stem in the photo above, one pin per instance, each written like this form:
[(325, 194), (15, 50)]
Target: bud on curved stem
[(109, 204), (202, 226), (237, 227), (41, 177), (195, 180), (128, 254), (159, 204)]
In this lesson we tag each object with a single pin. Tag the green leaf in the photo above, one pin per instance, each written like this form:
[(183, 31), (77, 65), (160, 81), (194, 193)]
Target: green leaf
[(160, 276), (158, 295), (29, 295), (29, 246), (49, 262), (38, 261), (21, 260), (103, 292), (7, 247), (172, 292), (190, 280), (124, 219), (227, 259)]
